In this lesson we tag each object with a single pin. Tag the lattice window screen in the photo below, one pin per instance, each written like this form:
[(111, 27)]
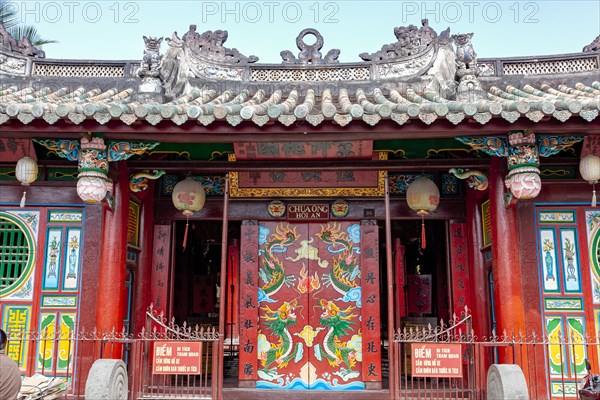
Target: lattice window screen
[(14, 253)]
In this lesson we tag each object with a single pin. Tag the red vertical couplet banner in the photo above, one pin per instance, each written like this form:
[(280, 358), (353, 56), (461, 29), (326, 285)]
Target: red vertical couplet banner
[(461, 291), (161, 254), (248, 303), (400, 268), (371, 322)]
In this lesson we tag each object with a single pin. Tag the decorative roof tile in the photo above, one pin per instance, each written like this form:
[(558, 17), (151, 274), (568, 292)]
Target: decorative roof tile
[(209, 106)]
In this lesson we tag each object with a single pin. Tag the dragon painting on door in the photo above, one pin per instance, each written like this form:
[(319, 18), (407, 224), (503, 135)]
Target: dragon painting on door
[(309, 301)]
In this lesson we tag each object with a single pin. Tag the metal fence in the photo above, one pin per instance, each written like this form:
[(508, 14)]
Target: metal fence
[(68, 355), (178, 381), (553, 365)]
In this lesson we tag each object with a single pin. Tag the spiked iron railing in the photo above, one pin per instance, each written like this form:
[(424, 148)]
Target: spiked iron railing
[(553, 365), (69, 354)]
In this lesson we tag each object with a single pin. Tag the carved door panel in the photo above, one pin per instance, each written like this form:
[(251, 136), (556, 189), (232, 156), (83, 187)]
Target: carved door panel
[(309, 296)]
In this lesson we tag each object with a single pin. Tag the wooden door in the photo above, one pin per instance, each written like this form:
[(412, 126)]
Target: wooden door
[(309, 298)]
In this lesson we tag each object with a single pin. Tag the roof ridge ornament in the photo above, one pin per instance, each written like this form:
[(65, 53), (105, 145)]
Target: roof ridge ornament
[(469, 88), (594, 46), (410, 41), (200, 56), (22, 46), (310, 53), (151, 90), (210, 45), (443, 69)]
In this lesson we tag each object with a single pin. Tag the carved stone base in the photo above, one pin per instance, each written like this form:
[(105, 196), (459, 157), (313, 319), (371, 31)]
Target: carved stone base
[(506, 381), (107, 380)]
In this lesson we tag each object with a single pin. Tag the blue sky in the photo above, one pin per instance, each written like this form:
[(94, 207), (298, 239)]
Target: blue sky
[(110, 29)]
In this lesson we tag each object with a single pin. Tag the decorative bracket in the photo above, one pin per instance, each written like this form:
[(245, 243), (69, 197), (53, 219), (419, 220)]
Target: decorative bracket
[(139, 182), (68, 149), (118, 151), (476, 179), (522, 150), (93, 157)]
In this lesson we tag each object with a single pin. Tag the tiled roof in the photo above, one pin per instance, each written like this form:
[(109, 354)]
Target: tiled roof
[(208, 105)]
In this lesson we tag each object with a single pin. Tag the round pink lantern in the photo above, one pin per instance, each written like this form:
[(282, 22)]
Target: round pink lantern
[(524, 182), (91, 189), (423, 197)]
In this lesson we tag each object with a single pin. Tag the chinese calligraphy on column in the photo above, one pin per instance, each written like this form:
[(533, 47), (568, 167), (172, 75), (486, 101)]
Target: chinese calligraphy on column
[(371, 324), (461, 292), (248, 304), (160, 266)]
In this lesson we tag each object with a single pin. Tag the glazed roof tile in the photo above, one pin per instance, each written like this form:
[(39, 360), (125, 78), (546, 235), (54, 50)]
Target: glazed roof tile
[(260, 106)]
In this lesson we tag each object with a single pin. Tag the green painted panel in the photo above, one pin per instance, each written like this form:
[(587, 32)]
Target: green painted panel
[(428, 148), (190, 151), (563, 172), (7, 174), (62, 174)]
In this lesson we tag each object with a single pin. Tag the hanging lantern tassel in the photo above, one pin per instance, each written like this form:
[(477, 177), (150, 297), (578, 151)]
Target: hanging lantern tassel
[(593, 195), (187, 225), (423, 236), (23, 198)]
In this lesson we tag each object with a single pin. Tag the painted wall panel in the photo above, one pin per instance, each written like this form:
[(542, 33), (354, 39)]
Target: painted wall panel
[(570, 260), (54, 248), (16, 320), (71, 263), (549, 270)]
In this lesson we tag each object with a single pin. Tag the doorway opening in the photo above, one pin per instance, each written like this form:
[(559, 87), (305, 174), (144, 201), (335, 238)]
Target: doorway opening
[(196, 275), (424, 270)]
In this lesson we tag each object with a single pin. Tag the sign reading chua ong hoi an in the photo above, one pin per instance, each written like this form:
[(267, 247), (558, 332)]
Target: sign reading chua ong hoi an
[(312, 211)]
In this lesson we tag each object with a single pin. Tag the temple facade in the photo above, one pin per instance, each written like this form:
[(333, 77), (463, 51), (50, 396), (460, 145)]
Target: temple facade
[(339, 203)]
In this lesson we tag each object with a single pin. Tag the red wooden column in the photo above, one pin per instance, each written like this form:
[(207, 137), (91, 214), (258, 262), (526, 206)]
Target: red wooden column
[(144, 269), (508, 294), (110, 308), (399, 275), (478, 278), (89, 289), (233, 276)]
